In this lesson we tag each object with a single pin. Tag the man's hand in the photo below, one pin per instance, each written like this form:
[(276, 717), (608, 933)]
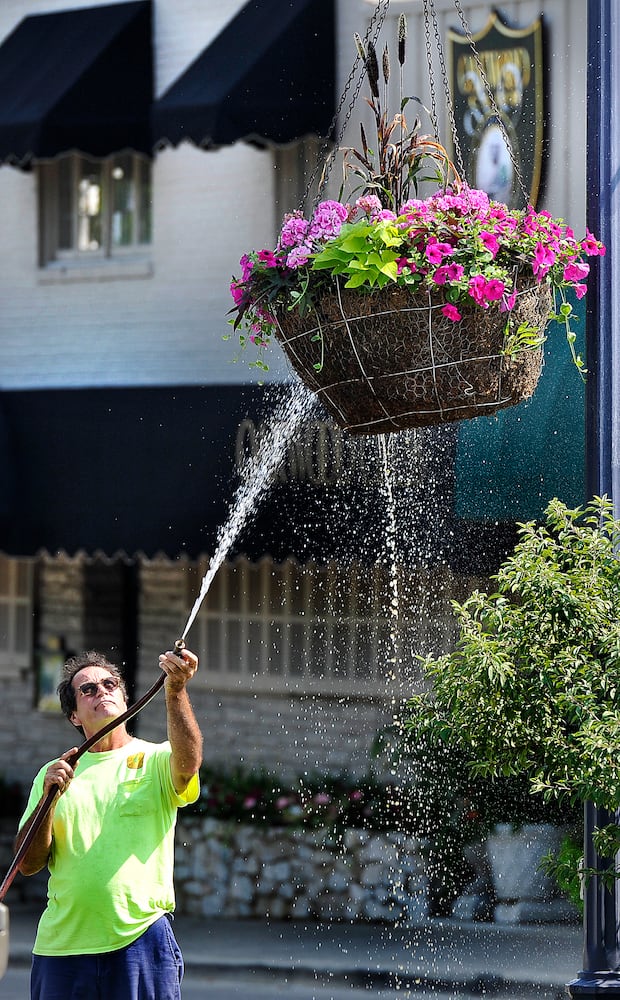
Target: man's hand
[(60, 773), (179, 668)]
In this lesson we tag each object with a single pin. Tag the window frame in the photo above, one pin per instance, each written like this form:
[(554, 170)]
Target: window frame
[(271, 616), (18, 600), (51, 255)]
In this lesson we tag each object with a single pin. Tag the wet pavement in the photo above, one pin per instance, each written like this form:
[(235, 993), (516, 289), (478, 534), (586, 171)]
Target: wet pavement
[(333, 960)]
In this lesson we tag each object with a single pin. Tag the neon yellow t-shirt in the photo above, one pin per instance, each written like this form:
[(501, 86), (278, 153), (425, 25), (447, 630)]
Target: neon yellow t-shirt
[(112, 856)]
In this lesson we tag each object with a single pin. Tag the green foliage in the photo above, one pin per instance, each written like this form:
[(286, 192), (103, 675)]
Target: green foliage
[(365, 252), (565, 867), (532, 686)]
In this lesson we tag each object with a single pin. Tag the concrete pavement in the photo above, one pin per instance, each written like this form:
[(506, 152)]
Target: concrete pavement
[(443, 955)]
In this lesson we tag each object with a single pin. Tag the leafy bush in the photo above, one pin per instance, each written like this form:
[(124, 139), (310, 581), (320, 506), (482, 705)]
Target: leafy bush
[(532, 688)]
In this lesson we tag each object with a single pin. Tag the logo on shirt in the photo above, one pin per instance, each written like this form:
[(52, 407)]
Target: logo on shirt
[(135, 761)]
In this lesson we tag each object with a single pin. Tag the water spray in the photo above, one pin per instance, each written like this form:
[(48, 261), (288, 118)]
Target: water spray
[(287, 416)]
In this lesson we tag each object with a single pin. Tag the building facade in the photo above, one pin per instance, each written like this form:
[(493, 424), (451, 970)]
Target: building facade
[(125, 423)]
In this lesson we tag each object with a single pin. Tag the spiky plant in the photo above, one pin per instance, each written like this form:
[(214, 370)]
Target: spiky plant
[(403, 158)]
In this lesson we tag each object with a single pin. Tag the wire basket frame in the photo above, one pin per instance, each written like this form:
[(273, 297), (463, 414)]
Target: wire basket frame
[(389, 360)]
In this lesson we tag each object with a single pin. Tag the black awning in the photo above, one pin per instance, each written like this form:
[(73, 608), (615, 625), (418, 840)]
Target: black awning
[(157, 470), (77, 80), (268, 78)]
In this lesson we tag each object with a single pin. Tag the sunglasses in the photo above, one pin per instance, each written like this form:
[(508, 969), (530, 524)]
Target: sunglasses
[(90, 688)]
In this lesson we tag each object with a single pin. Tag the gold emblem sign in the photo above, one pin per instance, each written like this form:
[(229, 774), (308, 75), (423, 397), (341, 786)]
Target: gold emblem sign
[(512, 61)]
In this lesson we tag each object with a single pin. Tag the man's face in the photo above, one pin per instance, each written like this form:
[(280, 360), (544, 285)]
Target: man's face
[(98, 698)]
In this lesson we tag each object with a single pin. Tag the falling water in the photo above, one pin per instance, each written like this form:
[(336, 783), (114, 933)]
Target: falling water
[(391, 556), (296, 405)]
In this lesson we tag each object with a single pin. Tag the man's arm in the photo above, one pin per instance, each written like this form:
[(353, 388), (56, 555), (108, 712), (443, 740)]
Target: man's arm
[(183, 730)]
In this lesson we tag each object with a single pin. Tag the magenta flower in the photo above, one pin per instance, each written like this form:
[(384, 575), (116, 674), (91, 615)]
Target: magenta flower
[(451, 312), (247, 265), (237, 292), (404, 262), (508, 302), (490, 242), (580, 290), (494, 289), (591, 246), (435, 251), (544, 259), (448, 272), (477, 290), (268, 258), (576, 271)]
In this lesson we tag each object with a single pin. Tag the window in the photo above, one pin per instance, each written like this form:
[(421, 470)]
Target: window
[(323, 629), (94, 210), (16, 604)]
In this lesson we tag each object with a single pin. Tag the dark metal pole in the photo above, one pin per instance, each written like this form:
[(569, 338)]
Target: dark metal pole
[(601, 952)]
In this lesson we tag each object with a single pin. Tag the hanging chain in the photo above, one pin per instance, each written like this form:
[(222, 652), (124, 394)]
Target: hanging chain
[(492, 101), (325, 162), (431, 73), (429, 9)]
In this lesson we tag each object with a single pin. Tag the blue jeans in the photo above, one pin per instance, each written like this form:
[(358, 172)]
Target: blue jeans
[(149, 969)]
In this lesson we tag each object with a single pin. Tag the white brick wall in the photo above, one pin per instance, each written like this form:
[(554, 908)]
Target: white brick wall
[(162, 328)]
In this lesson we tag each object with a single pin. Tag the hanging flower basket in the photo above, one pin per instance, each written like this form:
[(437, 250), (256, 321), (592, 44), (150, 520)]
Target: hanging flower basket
[(403, 311), (389, 360)]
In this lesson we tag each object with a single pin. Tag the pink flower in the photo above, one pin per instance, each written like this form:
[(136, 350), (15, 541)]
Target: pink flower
[(322, 799), (448, 272), (591, 246), (576, 271), (490, 242), (544, 258), (294, 230), (580, 290), (451, 312), (508, 302), (327, 220), (268, 258), (435, 251), (298, 257), (369, 204)]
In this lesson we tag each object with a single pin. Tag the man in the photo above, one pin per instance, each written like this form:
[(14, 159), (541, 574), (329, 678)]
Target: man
[(108, 841)]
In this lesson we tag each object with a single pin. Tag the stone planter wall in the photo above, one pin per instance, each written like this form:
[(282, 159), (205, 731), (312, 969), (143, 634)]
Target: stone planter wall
[(248, 871)]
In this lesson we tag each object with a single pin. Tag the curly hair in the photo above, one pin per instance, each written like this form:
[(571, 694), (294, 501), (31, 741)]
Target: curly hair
[(66, 691)]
